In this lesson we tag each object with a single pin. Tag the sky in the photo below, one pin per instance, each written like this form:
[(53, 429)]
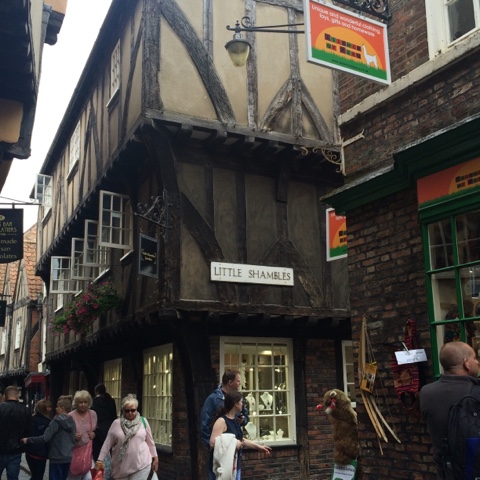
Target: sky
[(62, 65)]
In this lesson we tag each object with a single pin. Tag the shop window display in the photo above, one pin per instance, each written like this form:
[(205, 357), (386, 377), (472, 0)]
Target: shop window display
[(453, 272)]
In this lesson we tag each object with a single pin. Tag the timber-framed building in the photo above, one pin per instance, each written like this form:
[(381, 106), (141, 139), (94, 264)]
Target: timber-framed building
[(171, 172)]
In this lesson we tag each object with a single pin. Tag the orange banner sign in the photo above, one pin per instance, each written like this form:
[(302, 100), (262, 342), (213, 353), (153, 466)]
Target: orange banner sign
[(339, 39), (336, 235), (449, 182)]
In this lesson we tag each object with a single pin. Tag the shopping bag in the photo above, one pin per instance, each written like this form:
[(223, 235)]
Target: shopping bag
[(81, 460), (345, 472), (98, 475)]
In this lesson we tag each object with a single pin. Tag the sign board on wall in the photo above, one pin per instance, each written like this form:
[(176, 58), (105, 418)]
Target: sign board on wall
[(336, 235), (148, 256), (343, 40), (450, 182), (242, 273), (11, 235)]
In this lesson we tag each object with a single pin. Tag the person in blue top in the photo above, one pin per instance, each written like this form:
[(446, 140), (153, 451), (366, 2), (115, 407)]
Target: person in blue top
[(60, 434), (231, 382)]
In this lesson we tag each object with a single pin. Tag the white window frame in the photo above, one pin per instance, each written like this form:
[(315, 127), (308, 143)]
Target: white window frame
[(438, 27), (115, 220), (18, 332), (43, 190), (112, 379), (247, 359), (74, 150), (61, 276), (80, 271), (3, 346), (115, 70), (348, 371), (157, 392), (94, 255), (77, 255)]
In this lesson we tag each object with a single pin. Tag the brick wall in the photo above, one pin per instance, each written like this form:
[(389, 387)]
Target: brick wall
[(387, 284), (407, 39), (436, 104)]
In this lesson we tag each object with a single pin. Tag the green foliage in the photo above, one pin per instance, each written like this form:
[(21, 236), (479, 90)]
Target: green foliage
[(80, 314)]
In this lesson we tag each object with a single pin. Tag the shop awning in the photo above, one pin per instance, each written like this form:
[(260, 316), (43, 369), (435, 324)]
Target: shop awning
[(35, 378)]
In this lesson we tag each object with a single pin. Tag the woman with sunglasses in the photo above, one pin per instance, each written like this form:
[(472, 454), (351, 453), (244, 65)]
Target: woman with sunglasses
[(130, 443)]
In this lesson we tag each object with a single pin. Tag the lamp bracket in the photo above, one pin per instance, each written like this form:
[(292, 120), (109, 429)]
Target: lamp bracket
[(157, 212), (245, 25), (376, 8)]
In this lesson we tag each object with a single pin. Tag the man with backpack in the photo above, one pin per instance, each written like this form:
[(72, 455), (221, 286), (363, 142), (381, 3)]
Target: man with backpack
[(461, 369)]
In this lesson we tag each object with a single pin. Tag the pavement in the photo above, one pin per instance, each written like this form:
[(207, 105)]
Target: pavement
[(25, 471)]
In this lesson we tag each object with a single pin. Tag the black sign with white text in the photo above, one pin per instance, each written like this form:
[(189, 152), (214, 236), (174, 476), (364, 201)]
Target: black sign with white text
[(11, 235), (148, 256)]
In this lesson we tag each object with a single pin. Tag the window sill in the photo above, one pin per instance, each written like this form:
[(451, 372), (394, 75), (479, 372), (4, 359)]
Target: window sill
[(127, 258), (113, 100), (73, 170), (102, 275), (47, 215), (457, 51)]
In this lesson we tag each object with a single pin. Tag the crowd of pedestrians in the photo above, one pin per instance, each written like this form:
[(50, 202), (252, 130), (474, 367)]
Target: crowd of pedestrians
[(78, 439), (85, 434)]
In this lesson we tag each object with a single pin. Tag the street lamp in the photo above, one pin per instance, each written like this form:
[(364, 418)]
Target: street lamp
[(238, 48)]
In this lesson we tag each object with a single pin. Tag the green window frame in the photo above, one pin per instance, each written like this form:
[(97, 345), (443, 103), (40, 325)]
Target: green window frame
[(451, 241)]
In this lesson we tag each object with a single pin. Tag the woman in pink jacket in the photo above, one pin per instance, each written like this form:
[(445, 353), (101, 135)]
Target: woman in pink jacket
[(130, 443)]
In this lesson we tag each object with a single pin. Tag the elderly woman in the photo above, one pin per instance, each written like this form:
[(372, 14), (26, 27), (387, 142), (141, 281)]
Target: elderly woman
[(130, 443), (85, 425)]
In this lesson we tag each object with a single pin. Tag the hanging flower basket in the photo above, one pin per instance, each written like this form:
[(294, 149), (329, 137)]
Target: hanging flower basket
[(80, 314)]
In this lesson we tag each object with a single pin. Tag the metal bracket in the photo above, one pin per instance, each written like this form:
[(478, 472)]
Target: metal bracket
[(334, 153), (377, 8), (156, 212)]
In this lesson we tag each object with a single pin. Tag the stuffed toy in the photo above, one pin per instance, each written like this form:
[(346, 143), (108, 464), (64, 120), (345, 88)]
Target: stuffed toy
[(343, 418)]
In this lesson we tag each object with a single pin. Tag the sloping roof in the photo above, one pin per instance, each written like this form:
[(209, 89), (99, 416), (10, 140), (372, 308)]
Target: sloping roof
[(3, 272), (35, 284)]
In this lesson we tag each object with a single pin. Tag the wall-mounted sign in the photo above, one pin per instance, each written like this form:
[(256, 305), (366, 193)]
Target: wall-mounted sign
[(451, 182), (411, 356), (242, 273), (336, 235), (340, 39), (11, 234), (148, 256)]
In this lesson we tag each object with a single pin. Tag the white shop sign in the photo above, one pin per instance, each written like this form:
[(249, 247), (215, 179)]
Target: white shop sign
[(241, 273), (411, 356)]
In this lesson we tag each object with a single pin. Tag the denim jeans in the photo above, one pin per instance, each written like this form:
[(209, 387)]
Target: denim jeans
[(11, 463), (58, 471)]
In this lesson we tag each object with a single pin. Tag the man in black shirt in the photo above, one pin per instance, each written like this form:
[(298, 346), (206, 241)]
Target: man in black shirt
[(461, 368), (15, 421)]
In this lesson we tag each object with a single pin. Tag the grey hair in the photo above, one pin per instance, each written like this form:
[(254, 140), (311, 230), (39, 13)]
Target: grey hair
[(130, 399), (82, 396)]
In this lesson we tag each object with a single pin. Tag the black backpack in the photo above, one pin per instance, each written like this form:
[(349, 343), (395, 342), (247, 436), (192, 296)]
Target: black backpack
[(462, 446)]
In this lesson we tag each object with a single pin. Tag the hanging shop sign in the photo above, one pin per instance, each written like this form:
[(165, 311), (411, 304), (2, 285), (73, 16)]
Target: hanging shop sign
[(11, 235), (451, 182), (148, 256), (3, 312), (242, 273), (342, 40), (336, 235)]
